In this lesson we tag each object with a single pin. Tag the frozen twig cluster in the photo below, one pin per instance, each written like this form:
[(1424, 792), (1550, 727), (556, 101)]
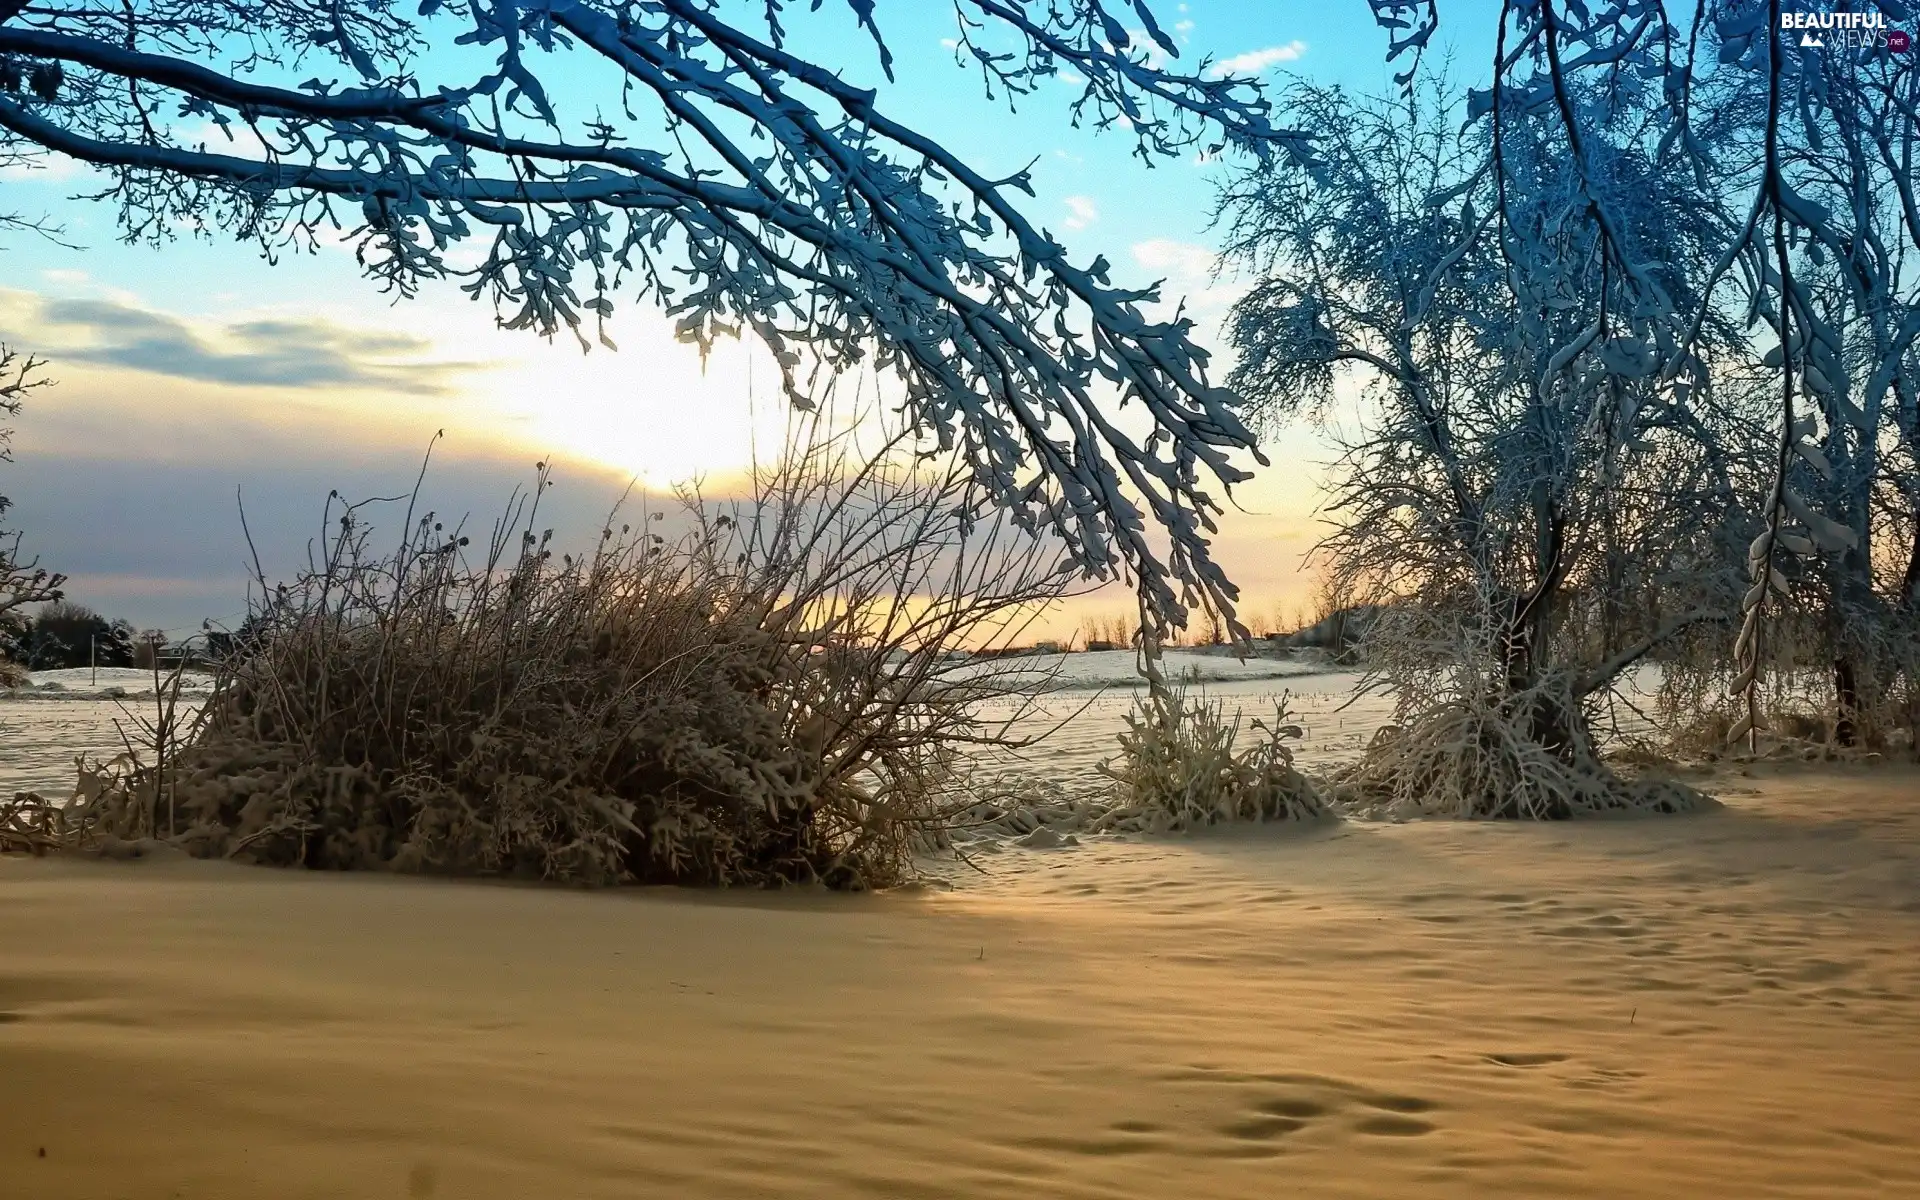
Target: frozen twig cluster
[(1480, 754), (30, 824), (1179, 766)]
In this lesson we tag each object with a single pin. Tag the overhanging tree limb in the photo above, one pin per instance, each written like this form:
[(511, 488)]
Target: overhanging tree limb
[(741, 185)]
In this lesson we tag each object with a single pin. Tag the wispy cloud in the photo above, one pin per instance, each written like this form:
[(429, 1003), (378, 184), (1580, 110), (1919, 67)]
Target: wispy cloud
[(43, 168), (1184, 261), (1187, 271), (303, 353), (1255, 61), (1081, 212)]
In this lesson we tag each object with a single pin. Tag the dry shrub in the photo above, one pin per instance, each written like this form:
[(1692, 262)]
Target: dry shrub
[(1179, 767), (774, 695), (1526, 754), (119, 806)]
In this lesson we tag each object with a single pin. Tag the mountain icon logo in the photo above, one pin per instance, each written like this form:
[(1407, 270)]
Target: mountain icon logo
[(1807, 39)]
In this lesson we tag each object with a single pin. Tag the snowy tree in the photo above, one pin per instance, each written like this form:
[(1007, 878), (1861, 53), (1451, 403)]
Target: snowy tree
[(1539, 508), (681, 149), (63, 635), (1804, 136), (1853, 475)]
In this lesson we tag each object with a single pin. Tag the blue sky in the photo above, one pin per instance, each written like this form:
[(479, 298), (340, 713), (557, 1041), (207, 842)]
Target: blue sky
[(192, 370)]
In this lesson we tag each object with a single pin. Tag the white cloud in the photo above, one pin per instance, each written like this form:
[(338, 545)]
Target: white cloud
[(44, 168), (1255, 61), (1186, 270), (1182, 261), (1081, 212)]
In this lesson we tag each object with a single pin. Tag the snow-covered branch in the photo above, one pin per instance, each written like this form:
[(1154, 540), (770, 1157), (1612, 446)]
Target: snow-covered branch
[(692, 161)]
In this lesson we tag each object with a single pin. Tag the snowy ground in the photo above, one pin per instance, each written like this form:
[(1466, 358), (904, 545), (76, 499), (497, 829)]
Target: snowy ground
[(1118, 668), (61, 714), (86, 683), (1712, 1005)]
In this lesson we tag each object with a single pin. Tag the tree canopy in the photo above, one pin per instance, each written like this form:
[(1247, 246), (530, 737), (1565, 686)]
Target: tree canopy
[(1800, 128), (680, 149)]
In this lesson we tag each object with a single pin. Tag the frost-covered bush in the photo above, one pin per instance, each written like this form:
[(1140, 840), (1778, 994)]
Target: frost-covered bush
[(772, 696), (1182, 765), (1486, 755)]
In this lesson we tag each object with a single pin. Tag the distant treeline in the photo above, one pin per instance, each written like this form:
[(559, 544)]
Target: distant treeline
[(64, 634), (67, 635)]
